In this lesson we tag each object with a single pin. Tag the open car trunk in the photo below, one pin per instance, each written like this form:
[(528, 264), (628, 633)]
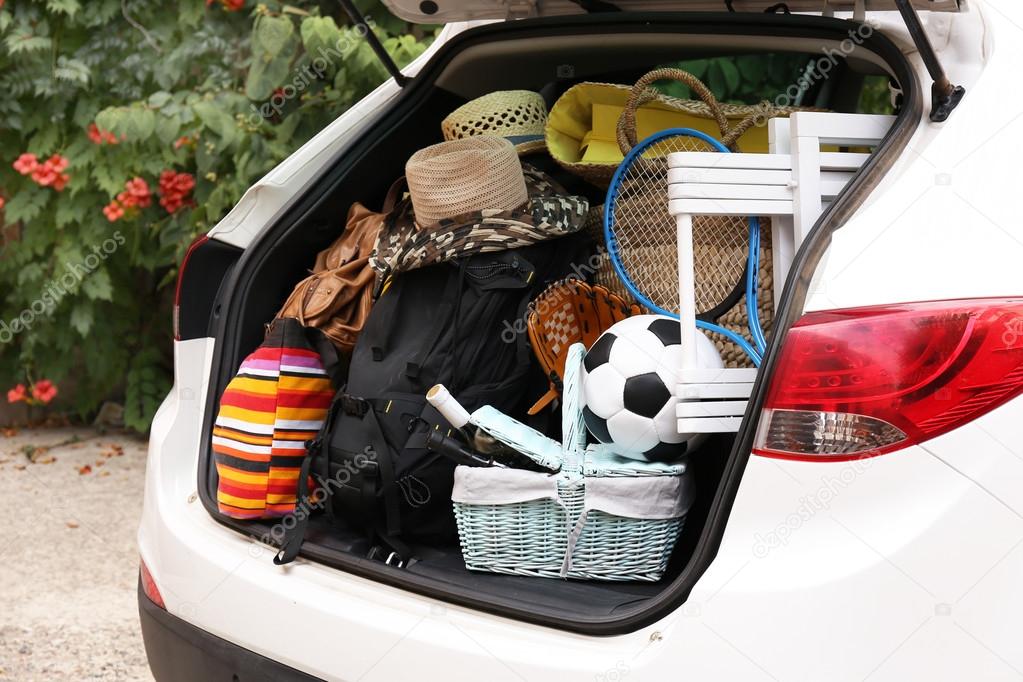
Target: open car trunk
[(546, 55)]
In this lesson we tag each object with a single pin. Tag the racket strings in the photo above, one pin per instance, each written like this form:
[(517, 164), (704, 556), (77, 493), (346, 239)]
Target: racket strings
[(645, 234), (736, 318)]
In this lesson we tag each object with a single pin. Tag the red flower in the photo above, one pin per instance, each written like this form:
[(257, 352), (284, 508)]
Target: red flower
[(138, 188), (100, 136), (26, 163), (174, 189), (16, 394), (58, 162), (45, 175), (136, 194), (49, 173), (44, 391), (2, 202), (113, 211)]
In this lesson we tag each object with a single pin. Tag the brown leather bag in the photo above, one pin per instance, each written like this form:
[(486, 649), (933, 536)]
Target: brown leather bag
[(337, 297)]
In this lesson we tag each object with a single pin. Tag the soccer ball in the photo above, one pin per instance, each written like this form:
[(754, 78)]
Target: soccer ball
[(630, 378)]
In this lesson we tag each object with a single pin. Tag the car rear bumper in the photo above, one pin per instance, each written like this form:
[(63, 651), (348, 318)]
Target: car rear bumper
[(180, 652)]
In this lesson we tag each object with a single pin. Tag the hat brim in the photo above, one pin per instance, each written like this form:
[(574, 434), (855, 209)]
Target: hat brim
[(528, 144), (549, 213), (550, 209)]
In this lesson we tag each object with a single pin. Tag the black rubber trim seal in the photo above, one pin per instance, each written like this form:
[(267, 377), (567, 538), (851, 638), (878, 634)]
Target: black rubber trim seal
[(790, 307), (181, 652)]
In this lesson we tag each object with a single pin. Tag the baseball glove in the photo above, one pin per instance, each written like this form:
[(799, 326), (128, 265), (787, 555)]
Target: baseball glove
[(569, 311)]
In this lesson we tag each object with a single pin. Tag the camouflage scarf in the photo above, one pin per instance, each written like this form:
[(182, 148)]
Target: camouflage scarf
[(549, 213)]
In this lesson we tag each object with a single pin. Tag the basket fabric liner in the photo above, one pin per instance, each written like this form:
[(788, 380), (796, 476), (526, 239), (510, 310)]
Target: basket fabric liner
[(642, 497)]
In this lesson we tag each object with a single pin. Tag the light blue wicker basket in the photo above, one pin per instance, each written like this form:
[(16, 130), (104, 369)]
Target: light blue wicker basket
[(600, 517)]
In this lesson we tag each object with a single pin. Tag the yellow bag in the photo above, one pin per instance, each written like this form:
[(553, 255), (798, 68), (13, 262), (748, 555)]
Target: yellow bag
[(582, 128)]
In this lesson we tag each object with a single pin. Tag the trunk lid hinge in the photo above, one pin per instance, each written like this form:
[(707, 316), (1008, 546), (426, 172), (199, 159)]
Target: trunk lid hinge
[(378, 48), (944, 95), (519, 9)]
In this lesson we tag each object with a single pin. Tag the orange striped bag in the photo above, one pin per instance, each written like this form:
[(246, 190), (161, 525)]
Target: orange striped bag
[(274, 405)]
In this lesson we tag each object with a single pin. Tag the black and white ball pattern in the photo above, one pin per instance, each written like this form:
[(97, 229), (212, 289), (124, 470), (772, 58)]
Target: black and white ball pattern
[(630, 379)]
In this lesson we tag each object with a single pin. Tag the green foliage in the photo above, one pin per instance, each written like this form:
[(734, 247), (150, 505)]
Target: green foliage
[(220, 95), (774, 77), (744, 79), (876, 98)]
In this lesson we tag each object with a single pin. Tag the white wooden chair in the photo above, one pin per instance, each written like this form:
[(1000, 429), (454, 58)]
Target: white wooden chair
[(792, 185)]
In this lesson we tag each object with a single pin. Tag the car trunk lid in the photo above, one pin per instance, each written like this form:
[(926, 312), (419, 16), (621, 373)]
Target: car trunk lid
[(444, 11)]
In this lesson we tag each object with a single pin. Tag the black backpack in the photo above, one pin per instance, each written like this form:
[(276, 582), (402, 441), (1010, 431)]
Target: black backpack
[(460, 323)]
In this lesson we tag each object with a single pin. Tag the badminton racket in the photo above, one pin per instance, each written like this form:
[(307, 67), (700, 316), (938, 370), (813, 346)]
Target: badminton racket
[(644, 242)]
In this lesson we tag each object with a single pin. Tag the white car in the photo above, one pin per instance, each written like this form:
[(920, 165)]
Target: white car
[(898, 558)]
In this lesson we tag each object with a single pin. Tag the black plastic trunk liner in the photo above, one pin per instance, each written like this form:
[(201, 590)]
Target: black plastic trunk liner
[(578, 597)]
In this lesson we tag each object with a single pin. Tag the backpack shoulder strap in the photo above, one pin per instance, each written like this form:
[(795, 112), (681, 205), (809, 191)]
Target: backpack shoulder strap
[(390, 525), (335, 366), (292, 541)]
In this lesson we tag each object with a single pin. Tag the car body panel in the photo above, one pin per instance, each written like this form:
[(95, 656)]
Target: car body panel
[(824, 570), (899, 567), (956, 178)]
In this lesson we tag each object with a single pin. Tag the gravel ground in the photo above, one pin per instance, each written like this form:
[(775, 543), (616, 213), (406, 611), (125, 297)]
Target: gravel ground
[(69, 561)]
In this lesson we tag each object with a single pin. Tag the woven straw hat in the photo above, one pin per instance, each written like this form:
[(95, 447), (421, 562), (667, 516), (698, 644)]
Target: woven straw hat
[(460, 204), (519, 116), (461, 176)]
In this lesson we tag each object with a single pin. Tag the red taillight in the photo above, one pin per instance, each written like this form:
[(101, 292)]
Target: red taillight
[(864, 381), (149, 585), (181, 277)]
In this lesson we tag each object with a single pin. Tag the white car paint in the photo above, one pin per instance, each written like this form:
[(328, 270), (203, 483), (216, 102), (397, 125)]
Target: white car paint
[(901, 567)]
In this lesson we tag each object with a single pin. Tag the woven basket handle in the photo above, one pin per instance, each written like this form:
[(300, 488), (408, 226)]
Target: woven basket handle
[(573, 429), (641, 94)]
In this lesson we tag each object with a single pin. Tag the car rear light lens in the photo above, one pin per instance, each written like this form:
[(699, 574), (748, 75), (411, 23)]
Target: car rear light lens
[(865, 381), (149, 585), (202, 239)]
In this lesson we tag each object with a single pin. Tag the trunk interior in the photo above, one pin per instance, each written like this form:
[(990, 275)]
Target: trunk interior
[(547, 56)]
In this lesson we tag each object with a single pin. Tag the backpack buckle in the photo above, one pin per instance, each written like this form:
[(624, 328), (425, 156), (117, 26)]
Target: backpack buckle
[(354, 406)]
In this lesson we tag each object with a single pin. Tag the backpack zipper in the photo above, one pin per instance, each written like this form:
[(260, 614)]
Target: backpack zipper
[(492, 270)]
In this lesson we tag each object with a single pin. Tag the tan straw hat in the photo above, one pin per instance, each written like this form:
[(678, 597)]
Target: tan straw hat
[(517, 115), (461, 176), (471, 196)]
